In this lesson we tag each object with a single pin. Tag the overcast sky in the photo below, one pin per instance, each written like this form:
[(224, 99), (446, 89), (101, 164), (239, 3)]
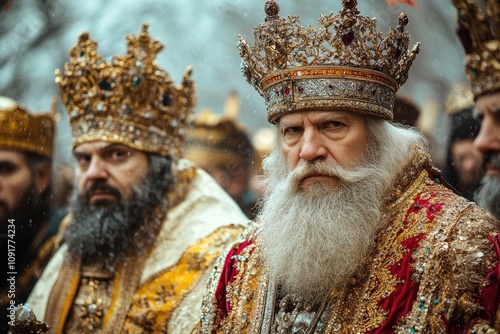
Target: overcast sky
[(35, 37)]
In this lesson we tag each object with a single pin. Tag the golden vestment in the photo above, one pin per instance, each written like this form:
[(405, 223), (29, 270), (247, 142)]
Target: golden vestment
[(157, 293), (434, 269)]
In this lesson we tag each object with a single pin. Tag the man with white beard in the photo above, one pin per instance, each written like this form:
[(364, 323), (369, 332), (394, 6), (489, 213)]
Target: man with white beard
[(145, 225), (480, 37), (357, 234)]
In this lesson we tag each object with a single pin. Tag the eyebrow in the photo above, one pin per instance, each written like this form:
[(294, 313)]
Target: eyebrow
[(287, 124), (104, 147)]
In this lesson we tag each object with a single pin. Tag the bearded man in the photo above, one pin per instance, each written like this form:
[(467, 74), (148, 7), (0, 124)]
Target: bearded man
[(356, 234), (146, 225), (479, 34), (28, 237)]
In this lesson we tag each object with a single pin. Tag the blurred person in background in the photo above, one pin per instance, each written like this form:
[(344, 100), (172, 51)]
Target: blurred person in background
[(479, 33), (26, 151), (222, 147), (464, 162)]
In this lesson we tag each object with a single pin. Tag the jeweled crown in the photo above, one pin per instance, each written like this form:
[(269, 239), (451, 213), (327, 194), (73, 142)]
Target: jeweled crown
[(21, 130), (219, 139), (130, 100), (479, 33), (344, 63)]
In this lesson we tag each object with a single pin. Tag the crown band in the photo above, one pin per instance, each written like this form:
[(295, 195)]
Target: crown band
[(329, 72), (329, 88), (142, 138)]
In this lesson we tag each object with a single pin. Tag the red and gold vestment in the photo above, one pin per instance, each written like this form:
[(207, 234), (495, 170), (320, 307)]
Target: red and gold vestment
[(434, 269)]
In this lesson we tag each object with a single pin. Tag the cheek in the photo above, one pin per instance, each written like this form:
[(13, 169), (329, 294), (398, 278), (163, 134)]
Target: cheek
[(291, 155), (128, 178), (16, 188), (355, 150), (80, 180)]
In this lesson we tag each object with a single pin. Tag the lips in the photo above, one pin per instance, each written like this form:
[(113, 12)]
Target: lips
[(102, 191), (316, 177), (492, 164)]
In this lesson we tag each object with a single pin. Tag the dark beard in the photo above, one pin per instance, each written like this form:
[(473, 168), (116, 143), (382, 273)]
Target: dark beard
[(105, 232), (488, 195), (30, 218)]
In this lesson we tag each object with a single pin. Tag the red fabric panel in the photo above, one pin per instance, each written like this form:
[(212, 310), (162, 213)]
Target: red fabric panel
[(228, 276)]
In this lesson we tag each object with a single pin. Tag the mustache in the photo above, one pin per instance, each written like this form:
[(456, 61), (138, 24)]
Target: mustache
[(101, 185), (307, 169), (492, 159)]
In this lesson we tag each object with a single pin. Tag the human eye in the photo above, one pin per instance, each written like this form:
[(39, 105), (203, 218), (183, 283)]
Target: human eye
[(83, 160), (8, 168), (334, 125), (291, 130), (118, 154)]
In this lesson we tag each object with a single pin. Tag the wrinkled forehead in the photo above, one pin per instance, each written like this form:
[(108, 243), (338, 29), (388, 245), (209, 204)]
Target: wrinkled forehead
[(488, 103), (319, 116)]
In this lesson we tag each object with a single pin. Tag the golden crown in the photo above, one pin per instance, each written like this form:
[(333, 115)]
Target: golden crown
[(130, 100), (460, 98), (218, 139), (342, 64), (22, 131), (479, 33)]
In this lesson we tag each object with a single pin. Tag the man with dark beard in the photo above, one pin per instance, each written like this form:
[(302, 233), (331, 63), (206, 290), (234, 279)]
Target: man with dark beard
[(356, 234), (480, 36), (146, 225), (27, 238)]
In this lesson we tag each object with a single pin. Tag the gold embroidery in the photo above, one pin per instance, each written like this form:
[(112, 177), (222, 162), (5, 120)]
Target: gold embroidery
[(154, 302), (90, 304)]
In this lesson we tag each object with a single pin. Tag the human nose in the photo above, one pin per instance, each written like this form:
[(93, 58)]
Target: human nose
[(488, 139), (97, 169), (312, 147)]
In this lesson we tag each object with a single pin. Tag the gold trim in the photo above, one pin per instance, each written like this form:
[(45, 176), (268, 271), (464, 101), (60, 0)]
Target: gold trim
[(330, 72), (62, 294)]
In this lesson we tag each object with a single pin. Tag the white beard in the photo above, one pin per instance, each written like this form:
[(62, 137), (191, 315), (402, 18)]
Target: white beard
[(314, 239)]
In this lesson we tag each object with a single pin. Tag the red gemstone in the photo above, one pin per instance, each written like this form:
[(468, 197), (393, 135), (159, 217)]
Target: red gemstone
[(348, 37), (286, 90), (300, 89)]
